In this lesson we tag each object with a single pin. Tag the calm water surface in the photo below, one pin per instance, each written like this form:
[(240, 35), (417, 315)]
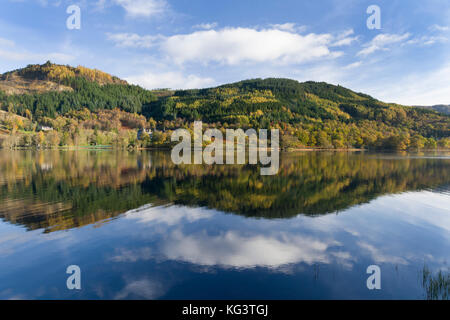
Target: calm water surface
[(140, 227)]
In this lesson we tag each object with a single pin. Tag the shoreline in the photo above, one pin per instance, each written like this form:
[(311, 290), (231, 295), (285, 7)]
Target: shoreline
[(168, 148)]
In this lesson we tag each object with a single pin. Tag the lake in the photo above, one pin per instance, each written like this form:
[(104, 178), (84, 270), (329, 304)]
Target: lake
[(140, 227)]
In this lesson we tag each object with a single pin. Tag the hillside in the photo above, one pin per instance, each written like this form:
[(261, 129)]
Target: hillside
[(50, 77), (50, 90), (308, 114), (442, 108)]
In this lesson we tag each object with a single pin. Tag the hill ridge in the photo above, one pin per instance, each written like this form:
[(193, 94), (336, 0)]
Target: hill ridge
[(41, 78)]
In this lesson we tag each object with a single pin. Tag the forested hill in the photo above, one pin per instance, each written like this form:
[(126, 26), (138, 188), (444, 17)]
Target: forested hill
[(442, 108), (50, 90), (335, 114), (48, 72), (308, 114)]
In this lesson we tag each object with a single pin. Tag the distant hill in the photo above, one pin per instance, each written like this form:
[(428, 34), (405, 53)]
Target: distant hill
[(50, 77), (442, 108), (308, 114)]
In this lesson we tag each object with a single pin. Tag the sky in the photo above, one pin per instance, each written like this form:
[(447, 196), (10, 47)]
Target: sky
[(203, 43)]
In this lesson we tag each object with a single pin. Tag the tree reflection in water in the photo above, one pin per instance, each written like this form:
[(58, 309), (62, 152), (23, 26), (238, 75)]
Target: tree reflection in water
[(58, 190)]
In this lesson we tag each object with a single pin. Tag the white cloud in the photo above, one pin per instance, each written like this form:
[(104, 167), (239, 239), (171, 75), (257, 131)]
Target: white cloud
[(236, 45), (171, 79), (228, 248), (235, 250), (275, 244), (437, 27), (289, 26), (346, 33), (205, 26), (132, 40), (345, 41), (381, 42), (128, 255), (143, 8), (343, 38), (141, 288), (427, 40), (278, 45), (380, 257), (170, 215), (353, 65)]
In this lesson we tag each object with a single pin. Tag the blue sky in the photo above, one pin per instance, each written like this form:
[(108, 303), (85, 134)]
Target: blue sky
[(203, 43)]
